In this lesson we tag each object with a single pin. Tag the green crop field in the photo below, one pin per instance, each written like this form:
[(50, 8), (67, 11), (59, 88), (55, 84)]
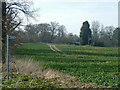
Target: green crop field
[(88, 64), (18, 80)]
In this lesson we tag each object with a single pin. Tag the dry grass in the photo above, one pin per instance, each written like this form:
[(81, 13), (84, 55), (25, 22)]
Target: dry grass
[(25, 66), (32, 67)]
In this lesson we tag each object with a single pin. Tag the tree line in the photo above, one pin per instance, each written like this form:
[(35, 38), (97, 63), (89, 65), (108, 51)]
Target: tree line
[(98, 35), (47, 33)]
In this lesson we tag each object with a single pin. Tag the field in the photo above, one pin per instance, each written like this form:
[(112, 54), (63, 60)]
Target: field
[(88, 64), (18, 80)]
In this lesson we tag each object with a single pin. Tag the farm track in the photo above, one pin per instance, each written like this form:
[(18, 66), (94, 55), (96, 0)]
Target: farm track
[(55, 49)]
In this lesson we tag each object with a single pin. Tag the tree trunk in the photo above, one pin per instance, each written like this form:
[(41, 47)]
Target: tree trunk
[(3, 32)]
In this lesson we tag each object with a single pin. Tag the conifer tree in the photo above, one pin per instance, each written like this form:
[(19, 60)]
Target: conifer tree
[(85, 34)]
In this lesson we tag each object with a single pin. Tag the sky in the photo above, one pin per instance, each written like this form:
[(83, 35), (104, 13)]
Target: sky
[(72, 13)]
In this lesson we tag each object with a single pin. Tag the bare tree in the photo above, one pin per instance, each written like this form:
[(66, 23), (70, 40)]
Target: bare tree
[(116, 37), (109, 30), (44, 34), (95, 32), (54, 28), (12, 19), (61, 31), (32, 32), (61, 34), (108, 35)]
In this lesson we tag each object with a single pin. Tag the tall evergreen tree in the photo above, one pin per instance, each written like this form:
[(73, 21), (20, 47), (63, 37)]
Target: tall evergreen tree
[(85, 34)]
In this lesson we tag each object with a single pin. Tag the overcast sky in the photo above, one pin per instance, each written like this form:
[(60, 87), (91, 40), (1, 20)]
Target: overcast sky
[(72, 13)]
